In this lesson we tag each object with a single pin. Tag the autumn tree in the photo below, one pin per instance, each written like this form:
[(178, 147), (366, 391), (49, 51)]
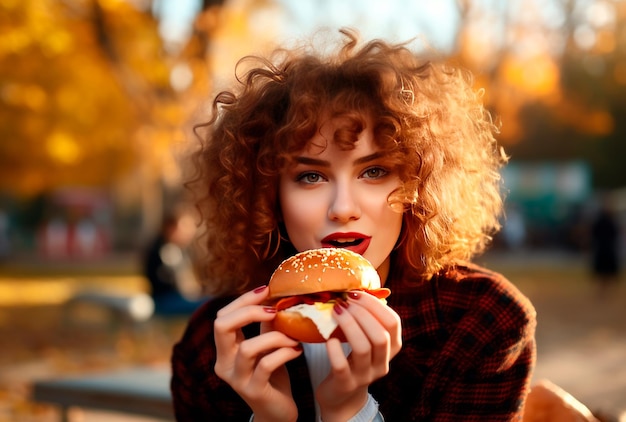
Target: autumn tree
[(553, 74), (90, 96), (65, 117)]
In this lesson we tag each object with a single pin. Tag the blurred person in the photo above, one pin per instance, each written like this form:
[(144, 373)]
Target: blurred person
[(605, 242), (55, 239), (5, 238), (169, 268), (372, 148), (87, 240)]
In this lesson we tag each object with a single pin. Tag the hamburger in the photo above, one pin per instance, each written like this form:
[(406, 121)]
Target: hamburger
[(305, 288)]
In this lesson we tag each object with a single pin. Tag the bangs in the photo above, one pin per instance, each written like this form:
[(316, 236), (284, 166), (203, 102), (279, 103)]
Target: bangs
[(354, 108)]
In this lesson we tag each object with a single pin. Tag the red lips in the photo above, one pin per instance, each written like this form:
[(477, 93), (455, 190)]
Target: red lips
[(355, 242)]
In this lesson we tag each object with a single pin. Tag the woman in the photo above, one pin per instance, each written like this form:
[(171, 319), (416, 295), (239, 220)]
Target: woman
[(372, 149)]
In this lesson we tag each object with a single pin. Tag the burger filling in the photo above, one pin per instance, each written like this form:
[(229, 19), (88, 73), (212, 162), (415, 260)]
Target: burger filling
[(318, 307), (320, 313)]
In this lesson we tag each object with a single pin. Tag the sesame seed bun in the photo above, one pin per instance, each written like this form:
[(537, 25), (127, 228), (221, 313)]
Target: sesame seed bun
[(323, 270), (316, 273)]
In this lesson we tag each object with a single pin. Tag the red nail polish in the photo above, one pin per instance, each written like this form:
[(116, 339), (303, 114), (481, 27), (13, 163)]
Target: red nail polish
[(343, 303), (338, 309), (260, 289), (269, 309), (354, 295)]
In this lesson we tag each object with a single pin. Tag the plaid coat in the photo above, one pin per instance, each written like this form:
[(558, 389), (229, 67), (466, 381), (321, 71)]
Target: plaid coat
[(467, 355)]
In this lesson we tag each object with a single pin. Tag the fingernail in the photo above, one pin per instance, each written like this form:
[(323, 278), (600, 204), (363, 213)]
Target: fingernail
[(343, 303), (260, 289), (338, 309), (269, 309), (297, 348), (354, 295)]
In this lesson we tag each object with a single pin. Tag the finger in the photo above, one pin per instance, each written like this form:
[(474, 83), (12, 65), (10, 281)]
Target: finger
[(253, 297), (228, 336), (271, 362), (227, 327), (377, 343), (242, 311), (386, 316), (360, 357), (239, 313), (255, 350), (336, 356)]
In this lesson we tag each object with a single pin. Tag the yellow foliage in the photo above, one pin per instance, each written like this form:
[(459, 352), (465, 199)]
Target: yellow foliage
[(63, 148), (605, 42), (533, 78), (75, 87)]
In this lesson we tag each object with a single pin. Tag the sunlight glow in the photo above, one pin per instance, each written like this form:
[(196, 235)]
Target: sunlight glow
[(63, 148)]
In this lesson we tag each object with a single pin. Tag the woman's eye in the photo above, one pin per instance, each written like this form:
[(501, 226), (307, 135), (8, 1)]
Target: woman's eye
[(309, 178), (374, 173)]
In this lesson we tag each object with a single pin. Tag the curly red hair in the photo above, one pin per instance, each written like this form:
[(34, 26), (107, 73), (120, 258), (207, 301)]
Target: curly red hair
[(427, 116)]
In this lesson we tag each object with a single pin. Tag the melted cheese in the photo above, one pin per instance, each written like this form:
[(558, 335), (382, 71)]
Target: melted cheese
[(320, 313)]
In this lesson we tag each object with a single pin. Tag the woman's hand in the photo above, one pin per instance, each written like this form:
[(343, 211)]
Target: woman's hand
[(375, 336), (254, 367)]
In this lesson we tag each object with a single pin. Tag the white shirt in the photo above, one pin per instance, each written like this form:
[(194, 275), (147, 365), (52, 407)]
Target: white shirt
[(319, 367)]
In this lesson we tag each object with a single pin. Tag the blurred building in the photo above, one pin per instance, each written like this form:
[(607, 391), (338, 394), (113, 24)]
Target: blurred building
[(551, 199)]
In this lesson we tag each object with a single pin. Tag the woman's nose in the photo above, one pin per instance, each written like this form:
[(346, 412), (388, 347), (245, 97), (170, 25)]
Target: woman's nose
[(344, 205)]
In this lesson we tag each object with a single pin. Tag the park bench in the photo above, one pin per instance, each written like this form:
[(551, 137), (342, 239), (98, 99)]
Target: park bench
[(139, 391), (145, 392)]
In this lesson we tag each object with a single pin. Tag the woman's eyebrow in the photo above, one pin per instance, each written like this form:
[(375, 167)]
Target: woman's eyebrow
[(324, 163), (312, 161), (368, 158)]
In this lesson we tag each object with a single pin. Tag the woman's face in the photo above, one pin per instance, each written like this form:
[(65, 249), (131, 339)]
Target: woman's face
[(336, 198)]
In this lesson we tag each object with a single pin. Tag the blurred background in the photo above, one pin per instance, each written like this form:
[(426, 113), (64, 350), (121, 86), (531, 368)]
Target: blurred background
[(97, 102)]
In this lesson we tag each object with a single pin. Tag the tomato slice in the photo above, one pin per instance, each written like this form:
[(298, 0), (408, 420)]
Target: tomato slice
[(288, 302), (382, 293), (310, 299)]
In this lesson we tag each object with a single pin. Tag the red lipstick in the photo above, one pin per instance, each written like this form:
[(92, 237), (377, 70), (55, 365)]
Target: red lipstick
[(355, 242)]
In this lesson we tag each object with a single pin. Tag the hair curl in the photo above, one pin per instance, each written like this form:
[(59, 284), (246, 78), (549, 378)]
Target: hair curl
[(426, 114)]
